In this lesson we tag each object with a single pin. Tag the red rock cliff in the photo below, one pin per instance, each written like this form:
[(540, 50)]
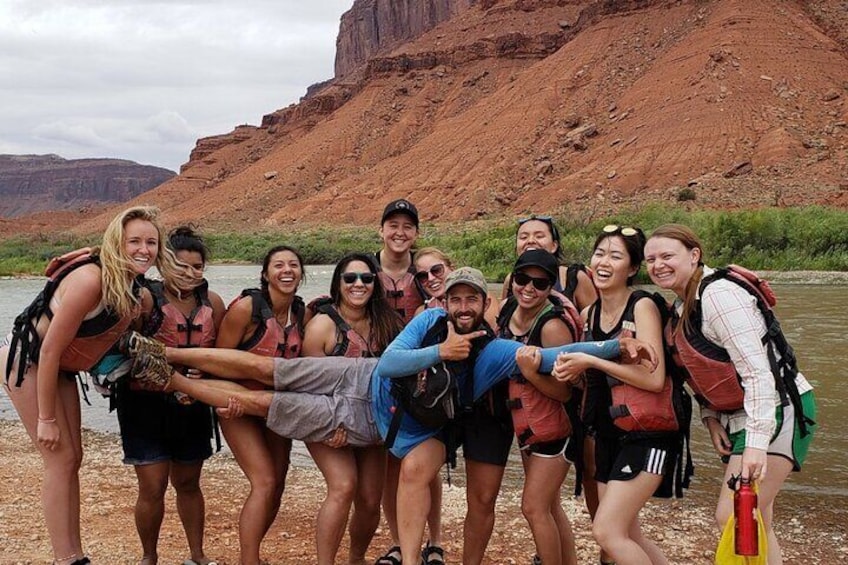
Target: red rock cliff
[(372, 26)]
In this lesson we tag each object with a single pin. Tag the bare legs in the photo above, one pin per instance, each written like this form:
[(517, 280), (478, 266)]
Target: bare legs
[(230, 364), (417, 470), (616, 525), (540, 504), (390, 498), (264, 458), (150, 505), (60, 490), (370, 469), (483, 484)]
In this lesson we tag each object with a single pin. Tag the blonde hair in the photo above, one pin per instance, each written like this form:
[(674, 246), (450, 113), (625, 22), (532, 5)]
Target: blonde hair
[(117, 272), (690, 241), (437, 253)]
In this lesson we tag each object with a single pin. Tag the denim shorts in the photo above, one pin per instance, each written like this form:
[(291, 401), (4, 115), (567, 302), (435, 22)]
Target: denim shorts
[(156, 428)]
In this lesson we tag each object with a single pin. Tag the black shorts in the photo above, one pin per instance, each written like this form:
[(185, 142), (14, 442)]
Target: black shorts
[(487, 431), (623, 458), (155, 428), (565, 448)]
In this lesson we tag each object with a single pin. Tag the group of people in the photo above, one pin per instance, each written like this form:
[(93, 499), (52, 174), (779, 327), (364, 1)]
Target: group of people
[(575, 365)]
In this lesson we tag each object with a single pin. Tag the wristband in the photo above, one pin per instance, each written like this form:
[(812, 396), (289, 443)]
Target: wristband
[(46, 420)]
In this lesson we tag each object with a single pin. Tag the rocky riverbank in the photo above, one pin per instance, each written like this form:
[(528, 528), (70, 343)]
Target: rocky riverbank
[(812, 532)]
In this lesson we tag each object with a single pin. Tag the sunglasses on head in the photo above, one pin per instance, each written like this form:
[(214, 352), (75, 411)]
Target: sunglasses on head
[(523, 279), (626, 231), (436, 270), (366, 278)]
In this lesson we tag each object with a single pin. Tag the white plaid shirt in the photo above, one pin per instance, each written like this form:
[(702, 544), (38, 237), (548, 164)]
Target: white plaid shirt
[(731, 319)]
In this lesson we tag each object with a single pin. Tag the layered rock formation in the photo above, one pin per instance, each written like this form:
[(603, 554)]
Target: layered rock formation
[(35, 183), (373, 26), (510, 106)]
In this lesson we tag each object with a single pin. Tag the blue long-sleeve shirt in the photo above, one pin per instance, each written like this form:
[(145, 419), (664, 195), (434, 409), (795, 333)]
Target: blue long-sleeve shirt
[(496, 362)]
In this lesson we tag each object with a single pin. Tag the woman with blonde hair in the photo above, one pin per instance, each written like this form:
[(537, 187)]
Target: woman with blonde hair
[(90, 299)]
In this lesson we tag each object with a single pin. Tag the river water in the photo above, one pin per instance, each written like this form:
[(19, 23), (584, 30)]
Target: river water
[(809, 315)]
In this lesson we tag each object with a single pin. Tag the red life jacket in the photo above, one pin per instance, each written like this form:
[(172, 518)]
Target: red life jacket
[(710, 372), (634, 409), (94, 337), (269, 339), (348, 342), (536, 417), (404, 295), (175, 329)]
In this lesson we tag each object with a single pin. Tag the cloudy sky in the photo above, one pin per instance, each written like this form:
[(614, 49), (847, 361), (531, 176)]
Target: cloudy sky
[(143, 79)]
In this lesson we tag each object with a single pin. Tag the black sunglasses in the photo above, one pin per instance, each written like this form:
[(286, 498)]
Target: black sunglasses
[(436, 270), (523, 279), (366, 278)]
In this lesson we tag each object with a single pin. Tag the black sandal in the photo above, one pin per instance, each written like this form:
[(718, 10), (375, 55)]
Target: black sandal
[(432, 555), (389, 558)]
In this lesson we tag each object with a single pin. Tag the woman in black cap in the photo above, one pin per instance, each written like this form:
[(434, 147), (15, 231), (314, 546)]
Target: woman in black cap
[(534, 316)]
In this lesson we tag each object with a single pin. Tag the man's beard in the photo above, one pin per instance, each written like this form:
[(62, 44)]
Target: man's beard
[(462, 329)]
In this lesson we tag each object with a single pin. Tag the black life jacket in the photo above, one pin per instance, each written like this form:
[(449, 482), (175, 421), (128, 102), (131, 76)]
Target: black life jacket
[(93, 339), (433, 396)]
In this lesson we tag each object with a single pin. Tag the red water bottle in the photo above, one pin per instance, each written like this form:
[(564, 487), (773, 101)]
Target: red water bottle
[(745, 515)]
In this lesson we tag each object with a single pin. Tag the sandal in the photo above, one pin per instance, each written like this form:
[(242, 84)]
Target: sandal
[(392, 557), (432, 555)]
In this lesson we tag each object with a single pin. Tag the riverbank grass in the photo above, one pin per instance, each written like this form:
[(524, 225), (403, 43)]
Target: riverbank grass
[(778, 239)]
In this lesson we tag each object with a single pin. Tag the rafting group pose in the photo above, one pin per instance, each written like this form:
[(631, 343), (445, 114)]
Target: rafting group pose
[(407, 361)]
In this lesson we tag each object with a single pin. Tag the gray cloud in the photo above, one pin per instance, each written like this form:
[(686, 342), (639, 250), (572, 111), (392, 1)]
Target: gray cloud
[(142, 79)]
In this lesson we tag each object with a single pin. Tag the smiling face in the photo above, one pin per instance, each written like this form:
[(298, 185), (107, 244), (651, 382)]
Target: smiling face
[(535, 234), (529, 297), (284, 272), (670, 263), (141, 244), (434, 284), (611, 264), (466, 307), (356, 294), (398, 233)]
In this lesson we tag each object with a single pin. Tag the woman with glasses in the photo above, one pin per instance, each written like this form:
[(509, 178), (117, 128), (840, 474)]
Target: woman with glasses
[(720, 338), (357, 322), (632, 460), (533, 316), (268, 321), (432, 266), (166, 437)]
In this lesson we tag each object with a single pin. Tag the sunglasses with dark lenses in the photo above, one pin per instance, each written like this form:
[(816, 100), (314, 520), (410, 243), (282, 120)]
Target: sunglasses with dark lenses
[(436, 270), (523, 279), (626, 231), (366, 278)]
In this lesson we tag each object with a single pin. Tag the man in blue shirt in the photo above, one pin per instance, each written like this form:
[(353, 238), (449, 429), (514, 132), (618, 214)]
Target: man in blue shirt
[(314, 396)]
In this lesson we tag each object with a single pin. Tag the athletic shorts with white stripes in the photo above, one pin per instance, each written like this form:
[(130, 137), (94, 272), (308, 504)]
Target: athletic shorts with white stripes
[(621, 459)]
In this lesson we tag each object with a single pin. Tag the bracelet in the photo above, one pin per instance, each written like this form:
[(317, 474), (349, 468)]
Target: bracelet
[(46, 420)]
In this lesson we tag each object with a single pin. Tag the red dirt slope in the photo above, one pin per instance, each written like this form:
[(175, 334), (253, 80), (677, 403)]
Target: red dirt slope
[(541, 105)]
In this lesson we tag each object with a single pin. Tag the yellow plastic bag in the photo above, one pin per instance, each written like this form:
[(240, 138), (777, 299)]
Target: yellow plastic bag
[(726, 551)]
